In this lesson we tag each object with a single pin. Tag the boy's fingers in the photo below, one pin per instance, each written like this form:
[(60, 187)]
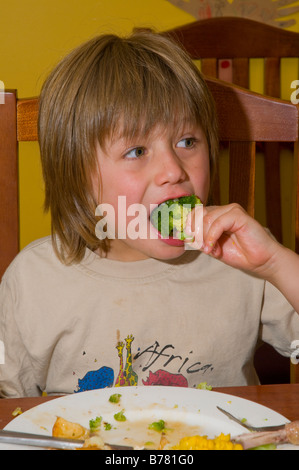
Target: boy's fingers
[(230, 219), (205, 228), (194, 228), (198, 225)]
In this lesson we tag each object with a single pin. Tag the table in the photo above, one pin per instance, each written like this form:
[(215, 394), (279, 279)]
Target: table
[(282, 398)]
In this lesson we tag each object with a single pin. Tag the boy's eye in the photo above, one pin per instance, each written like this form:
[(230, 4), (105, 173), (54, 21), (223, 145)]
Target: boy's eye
[(188, 142), (135, 153)]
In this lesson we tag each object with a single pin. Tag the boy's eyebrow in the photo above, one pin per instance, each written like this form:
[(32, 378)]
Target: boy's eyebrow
[(122, 141), (127, 139), (118, 144), (189, 126)]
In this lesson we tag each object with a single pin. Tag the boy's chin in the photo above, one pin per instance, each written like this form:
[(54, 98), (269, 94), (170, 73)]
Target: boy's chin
[(142, 249), (167, 249)]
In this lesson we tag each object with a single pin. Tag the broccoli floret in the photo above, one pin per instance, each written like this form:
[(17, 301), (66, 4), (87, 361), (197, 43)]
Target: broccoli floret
[(115, 398), (95, 424), (120, 416), (158, 426), (169, 218), (204, 386)]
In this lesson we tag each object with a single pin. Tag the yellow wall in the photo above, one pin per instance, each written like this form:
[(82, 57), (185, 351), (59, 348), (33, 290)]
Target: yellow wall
[(35, 34)]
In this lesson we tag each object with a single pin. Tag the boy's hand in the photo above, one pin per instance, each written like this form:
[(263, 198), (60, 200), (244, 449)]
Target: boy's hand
[(232, 236)]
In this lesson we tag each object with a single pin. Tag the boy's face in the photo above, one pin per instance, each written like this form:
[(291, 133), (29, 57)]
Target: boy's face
[(146, 171)]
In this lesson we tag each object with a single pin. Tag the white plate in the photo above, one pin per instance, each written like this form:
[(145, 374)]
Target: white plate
[(187, 411)]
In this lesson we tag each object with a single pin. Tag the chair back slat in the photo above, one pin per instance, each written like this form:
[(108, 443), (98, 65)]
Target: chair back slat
[(241, 72), (295, 374), (272, 80), (209, 67), (272, 152), (242, 159), (27, 112), (272, 194)]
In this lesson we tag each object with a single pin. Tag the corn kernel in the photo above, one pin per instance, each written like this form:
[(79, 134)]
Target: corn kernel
[(221, 442), (18, 411)]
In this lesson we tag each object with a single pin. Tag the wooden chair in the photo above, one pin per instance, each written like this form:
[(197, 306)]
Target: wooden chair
[(225, 47), (244, 118)]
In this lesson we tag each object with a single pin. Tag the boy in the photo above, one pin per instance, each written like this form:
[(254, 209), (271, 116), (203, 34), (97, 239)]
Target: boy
[(129, 119)]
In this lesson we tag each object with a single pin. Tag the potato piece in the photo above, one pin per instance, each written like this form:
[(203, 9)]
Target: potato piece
[(68, 430), (94, 443)]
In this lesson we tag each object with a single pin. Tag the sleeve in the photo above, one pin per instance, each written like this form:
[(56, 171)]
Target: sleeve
[(279, 321), (16, 372)]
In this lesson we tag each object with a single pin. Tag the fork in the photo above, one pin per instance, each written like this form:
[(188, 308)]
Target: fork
[(50, 442), (249, 426)]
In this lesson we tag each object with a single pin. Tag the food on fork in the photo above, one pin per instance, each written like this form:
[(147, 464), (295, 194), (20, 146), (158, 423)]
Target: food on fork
[(169, 217)]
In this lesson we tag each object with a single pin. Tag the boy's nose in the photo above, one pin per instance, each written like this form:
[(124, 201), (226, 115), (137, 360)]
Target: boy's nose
[(169, 169)]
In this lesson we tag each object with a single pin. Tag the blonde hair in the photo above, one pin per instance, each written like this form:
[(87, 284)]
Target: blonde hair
[(138, 81)]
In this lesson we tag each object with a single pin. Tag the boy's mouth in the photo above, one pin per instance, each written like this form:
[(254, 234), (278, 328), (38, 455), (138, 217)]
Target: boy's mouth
[(169, 218), (171, 241)]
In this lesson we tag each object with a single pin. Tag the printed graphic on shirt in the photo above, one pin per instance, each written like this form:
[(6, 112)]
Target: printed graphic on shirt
[(162, 377), (126, 375), (94, 379), (104, 377), (153, 354), (166, 356)]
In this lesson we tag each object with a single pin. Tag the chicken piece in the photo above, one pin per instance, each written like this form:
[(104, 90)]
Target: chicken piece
[(163, 442), (68, 430)]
